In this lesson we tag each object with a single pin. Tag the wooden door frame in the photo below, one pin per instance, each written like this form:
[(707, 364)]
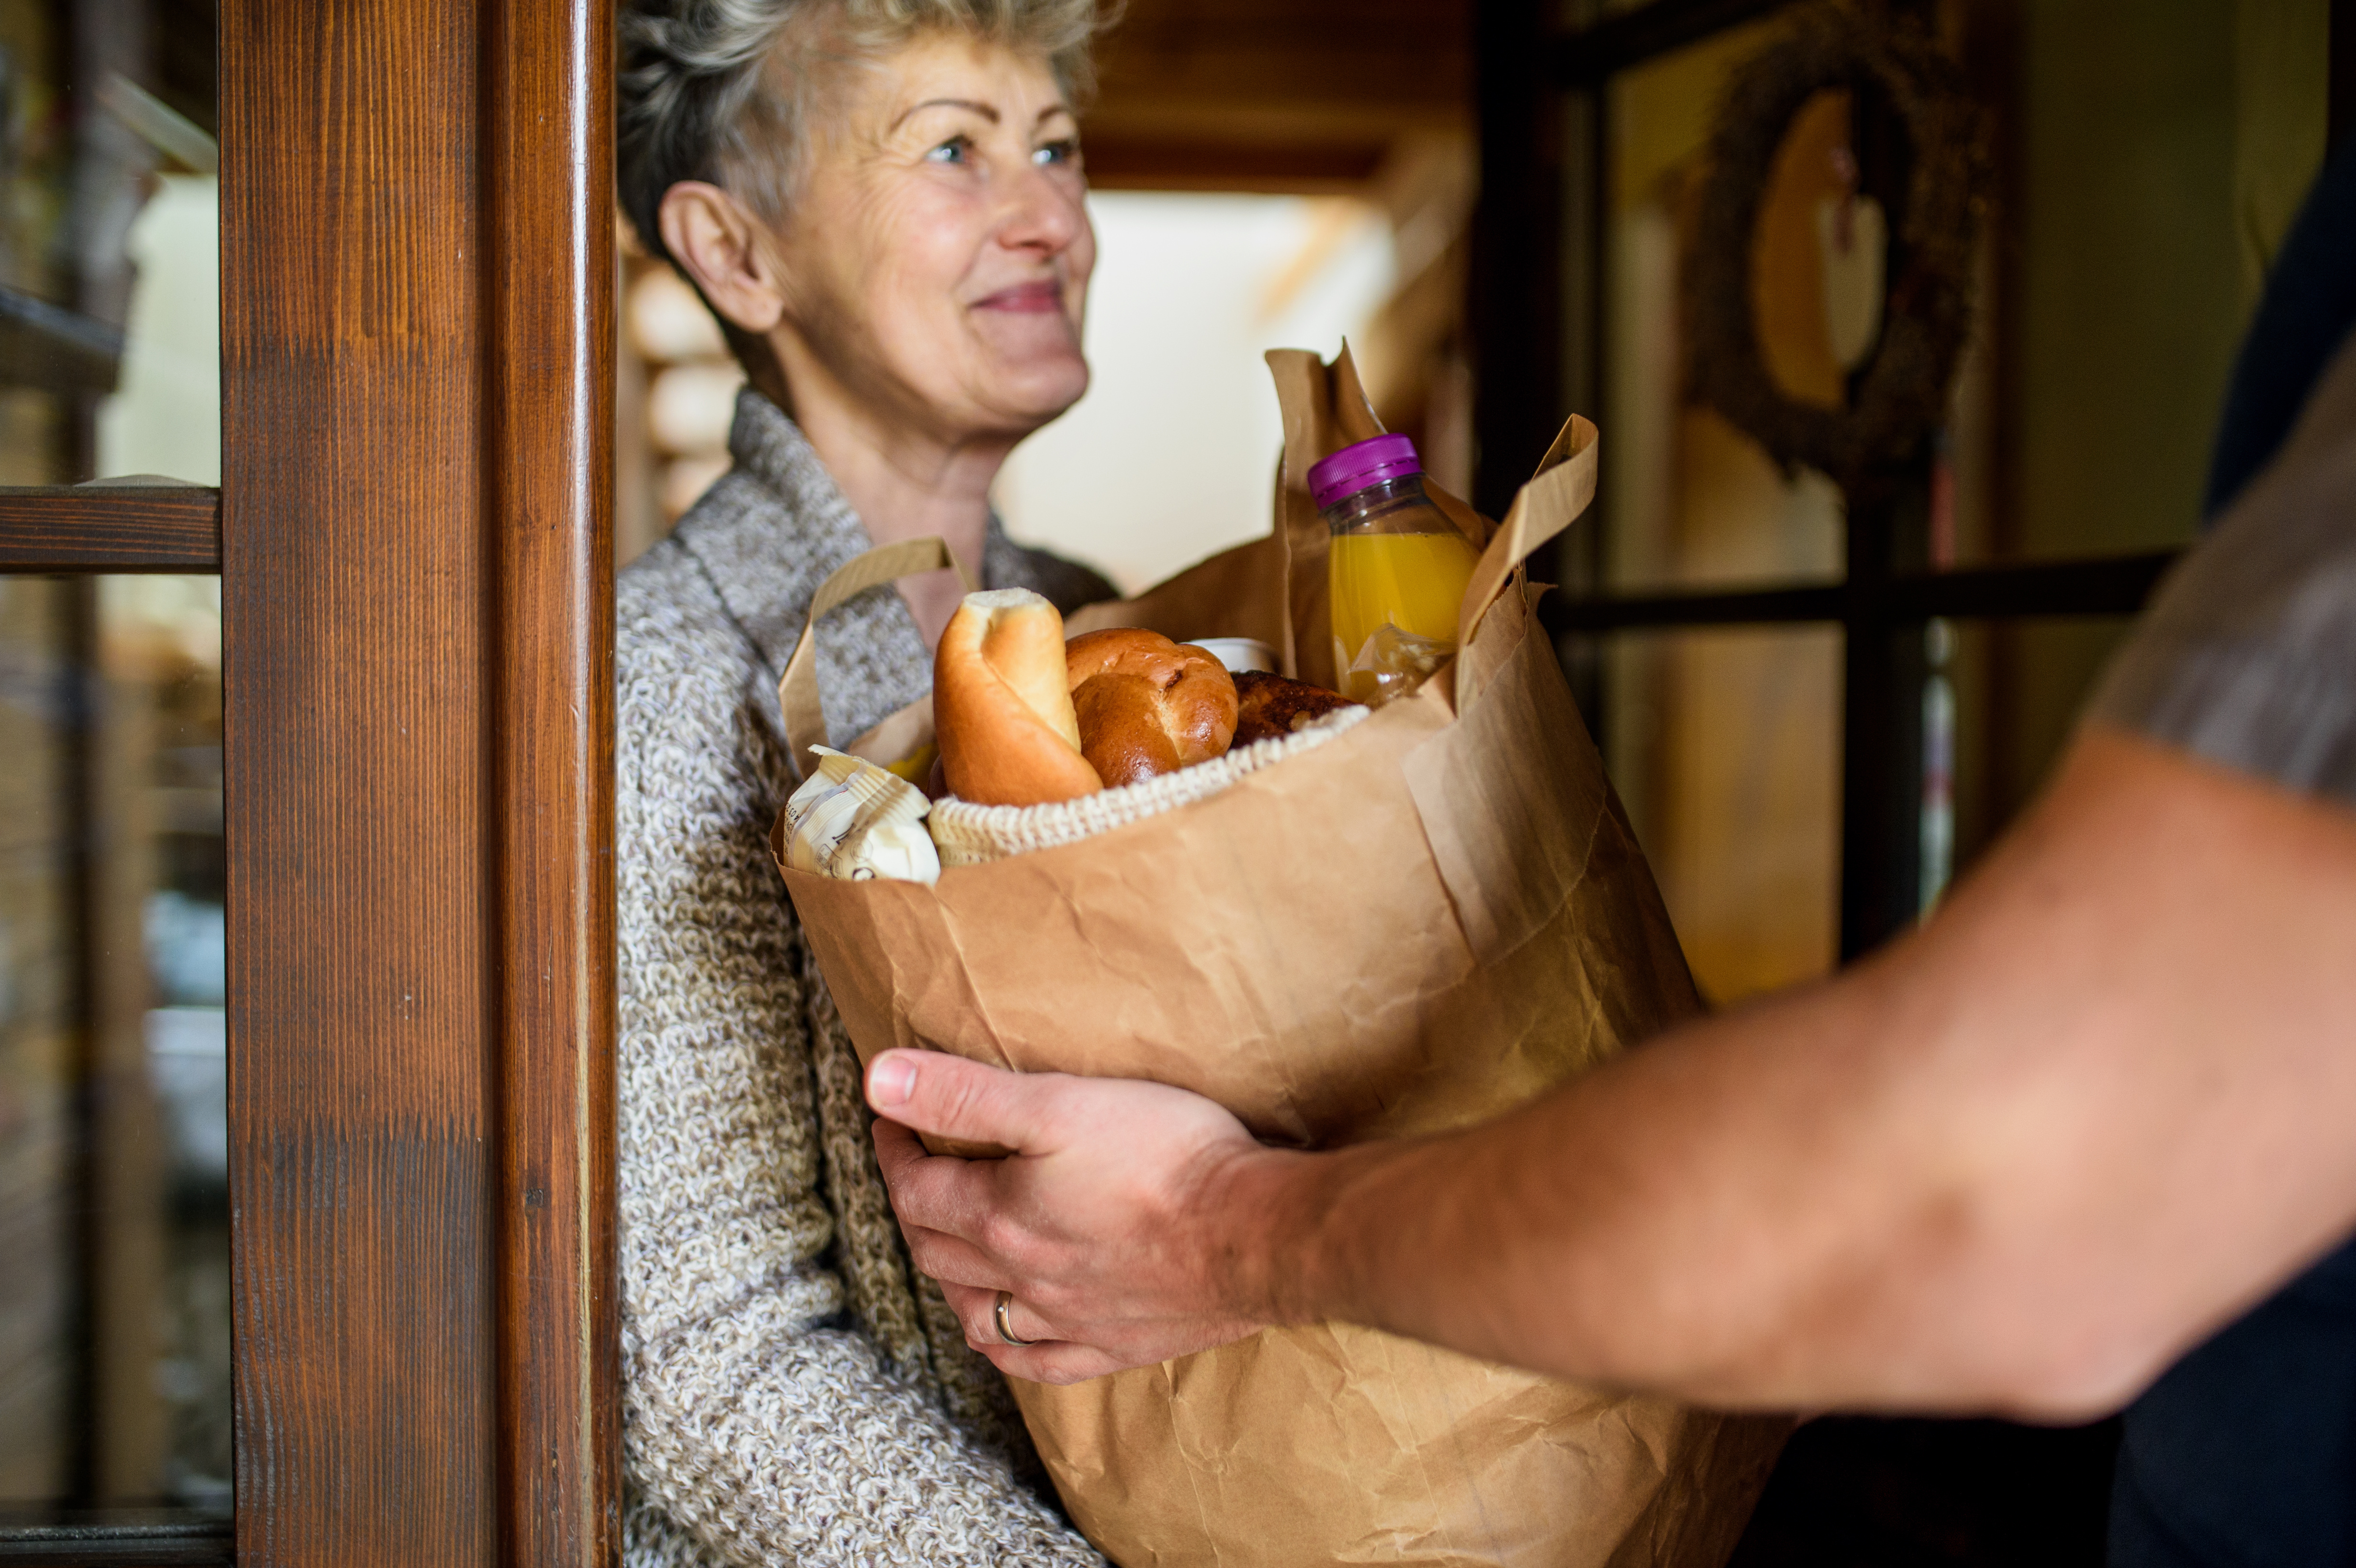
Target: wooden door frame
[(413, 534), (417, 283)]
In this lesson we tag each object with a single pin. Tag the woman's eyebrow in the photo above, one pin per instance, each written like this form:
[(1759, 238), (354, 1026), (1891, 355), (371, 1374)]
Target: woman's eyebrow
[(984, 109)]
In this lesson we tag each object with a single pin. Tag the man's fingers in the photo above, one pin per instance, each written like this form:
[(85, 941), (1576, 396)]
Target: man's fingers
[(952, 1260), (896, 1150), (929, 1191), (976, 1309), (1054, 1362), (934, 1192), (953, 1098)]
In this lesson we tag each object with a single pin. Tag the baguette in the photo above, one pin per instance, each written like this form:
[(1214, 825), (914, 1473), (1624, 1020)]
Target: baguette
[(1002, 707)]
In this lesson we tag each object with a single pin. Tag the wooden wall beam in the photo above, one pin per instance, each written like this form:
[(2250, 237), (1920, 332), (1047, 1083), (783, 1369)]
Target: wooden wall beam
[(1117, 162), (1389, 57), (1273, 95)]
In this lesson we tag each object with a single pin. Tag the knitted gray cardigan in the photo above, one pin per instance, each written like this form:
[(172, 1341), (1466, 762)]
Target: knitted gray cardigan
[(794, 1393)]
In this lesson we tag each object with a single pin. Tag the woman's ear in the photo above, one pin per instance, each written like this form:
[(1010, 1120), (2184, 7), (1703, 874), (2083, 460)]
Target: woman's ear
[(719, 245)]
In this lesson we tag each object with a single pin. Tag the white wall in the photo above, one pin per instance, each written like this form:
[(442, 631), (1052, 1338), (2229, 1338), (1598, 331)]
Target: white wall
[(1171, 456)]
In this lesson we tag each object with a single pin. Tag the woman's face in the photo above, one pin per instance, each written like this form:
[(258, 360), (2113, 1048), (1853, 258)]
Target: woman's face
[(936, 265)]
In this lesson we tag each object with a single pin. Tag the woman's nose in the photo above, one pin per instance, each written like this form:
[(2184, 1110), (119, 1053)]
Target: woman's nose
[(1043, 216)]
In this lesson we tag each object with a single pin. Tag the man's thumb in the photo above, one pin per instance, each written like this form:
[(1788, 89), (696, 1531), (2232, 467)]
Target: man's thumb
[(953, 1099)]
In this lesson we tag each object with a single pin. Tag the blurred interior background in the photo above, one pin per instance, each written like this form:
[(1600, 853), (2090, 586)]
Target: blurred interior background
[(114, 1296), (1264, 175), (1295, 174), (1267, 173), (2144, 161)]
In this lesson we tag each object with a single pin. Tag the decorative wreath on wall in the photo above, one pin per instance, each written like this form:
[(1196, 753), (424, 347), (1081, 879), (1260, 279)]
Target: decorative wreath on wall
[(1900, 394)]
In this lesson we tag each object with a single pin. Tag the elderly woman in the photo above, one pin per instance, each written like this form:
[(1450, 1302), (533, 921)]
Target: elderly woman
[(882, 201)]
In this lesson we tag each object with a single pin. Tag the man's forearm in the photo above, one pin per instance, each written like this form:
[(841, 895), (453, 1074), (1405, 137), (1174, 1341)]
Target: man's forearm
[(2096, 1107), (1945, 1178), (1662, 1222)]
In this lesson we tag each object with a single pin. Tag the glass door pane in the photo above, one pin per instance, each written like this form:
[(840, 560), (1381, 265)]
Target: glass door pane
[(110, 274), (114, 1334), (2145, 164), (1690, 500), (114, 1345), (1724, 745)]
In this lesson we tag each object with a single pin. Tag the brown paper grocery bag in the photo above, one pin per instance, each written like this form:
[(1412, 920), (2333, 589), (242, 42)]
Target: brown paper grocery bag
[(1432, 918)]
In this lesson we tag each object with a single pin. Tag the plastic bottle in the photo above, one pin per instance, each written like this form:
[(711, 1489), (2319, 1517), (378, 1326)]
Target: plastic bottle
[(1397, 569)]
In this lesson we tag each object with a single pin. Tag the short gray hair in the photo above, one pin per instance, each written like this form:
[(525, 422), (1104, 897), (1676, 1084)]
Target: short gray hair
[(722, 90)]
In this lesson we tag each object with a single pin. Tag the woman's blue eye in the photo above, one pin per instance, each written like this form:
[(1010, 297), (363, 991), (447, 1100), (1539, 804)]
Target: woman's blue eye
[(1056, 153), (952, 150)]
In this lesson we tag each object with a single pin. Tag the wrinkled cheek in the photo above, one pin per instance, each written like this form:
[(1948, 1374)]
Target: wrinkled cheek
[(910, 307)]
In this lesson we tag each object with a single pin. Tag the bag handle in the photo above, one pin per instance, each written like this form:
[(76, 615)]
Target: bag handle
[(797, 695), (1555, 496)]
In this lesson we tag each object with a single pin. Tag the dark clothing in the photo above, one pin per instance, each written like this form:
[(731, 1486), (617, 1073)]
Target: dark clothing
[(2244, 1454), (2309, 308)]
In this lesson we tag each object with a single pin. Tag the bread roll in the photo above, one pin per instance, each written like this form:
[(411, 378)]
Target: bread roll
[(1146, 704), (1001, 709), (1269, 704)]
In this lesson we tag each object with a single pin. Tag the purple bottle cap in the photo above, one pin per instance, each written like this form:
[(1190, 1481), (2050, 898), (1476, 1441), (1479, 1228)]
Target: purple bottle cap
[(1353, 468)]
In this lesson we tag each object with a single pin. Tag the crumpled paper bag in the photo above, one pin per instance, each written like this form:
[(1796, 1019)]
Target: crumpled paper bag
[(1425, 923)]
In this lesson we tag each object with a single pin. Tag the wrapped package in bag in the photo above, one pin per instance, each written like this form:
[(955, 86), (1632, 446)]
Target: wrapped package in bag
[(1419, 921)]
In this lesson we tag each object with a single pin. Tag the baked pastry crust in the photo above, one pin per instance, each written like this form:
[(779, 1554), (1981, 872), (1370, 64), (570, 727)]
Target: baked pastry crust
[(1147, 705), (1000, 709), (1268, 706)]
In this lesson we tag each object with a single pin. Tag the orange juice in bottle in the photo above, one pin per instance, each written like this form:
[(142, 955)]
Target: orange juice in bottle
[(1396, 569)]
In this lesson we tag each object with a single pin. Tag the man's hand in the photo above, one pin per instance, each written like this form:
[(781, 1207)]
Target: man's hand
[(2098, 1106), (1112, 1223)]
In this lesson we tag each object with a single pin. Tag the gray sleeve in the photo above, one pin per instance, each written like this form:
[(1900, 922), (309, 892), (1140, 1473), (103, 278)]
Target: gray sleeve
[(2248, 656), (768, 1417)]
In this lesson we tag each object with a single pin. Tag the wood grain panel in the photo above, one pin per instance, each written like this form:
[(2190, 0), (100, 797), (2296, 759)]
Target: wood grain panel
[(1293, 166), (355, 617), (1293, 95), (110, 528), (123, 1537), (550, 338), (1388, 58)]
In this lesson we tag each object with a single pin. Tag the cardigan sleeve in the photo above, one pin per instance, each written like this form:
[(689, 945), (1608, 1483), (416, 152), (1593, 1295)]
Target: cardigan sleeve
[(768, 1414)]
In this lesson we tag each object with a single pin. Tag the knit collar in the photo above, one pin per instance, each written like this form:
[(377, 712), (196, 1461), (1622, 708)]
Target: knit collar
[(772, 529), (767, 562), (765, 442)]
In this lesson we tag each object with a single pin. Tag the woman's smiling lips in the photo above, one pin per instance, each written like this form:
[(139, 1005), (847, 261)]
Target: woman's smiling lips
[(1037, 298)]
